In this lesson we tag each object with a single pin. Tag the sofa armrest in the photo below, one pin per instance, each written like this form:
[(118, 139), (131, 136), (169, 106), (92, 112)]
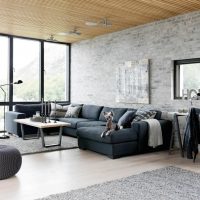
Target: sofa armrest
[(166, 126), (141, 129), (10, 125)]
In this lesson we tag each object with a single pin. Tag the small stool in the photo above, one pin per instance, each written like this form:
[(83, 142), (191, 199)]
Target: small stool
[(10, 161)]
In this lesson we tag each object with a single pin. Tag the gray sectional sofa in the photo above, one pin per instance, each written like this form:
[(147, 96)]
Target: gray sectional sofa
[(89, 126)]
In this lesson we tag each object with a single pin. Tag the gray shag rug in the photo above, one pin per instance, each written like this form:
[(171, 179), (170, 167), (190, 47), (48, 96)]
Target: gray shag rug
[(168, 183), (35, 145)]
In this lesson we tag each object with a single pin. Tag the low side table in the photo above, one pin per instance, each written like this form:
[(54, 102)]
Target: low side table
[(41, 126), (176, 130)]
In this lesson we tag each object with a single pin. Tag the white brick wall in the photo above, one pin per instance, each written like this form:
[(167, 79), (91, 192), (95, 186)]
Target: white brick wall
[(94, 61)]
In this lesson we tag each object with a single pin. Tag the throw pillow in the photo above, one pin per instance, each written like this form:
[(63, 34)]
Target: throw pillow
[(58, 110), (73, 111), (126, 119), (145, 114)]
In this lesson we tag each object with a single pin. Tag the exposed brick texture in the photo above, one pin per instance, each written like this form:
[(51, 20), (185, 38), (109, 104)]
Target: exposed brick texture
[(94, 61)]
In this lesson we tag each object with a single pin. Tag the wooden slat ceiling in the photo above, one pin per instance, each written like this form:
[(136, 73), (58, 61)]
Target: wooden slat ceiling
[(41, 18)]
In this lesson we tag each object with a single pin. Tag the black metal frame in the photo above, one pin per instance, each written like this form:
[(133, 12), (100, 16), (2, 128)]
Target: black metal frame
[(10, 103), (177, 63)]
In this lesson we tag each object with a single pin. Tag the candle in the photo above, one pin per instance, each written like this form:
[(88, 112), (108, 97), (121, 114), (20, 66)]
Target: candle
[(55, 112), (45, 109), (42, 107), (49, 108)]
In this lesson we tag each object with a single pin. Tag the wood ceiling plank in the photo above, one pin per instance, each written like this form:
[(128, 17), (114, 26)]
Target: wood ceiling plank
[(40, 18)]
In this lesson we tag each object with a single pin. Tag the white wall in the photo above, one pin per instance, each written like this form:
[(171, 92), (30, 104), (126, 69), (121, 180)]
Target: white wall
[(94, 62)]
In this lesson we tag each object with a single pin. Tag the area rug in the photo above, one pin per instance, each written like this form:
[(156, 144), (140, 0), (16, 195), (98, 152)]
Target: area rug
[(169, 183), (35, 145)]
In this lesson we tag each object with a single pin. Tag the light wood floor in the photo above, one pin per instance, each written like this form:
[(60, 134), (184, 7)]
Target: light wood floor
[(49, 173)]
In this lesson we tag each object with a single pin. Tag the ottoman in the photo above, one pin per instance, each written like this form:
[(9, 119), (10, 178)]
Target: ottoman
[(10, 161)]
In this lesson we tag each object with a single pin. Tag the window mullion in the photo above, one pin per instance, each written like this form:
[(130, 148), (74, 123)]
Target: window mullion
[(11, 74), (42, 71)]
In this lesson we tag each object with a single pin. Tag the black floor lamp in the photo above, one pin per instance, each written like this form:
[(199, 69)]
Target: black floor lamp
[(4, 136)]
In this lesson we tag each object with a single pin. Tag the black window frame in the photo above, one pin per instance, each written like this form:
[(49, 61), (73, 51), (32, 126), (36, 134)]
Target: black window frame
[(10, 102), (177, 64)]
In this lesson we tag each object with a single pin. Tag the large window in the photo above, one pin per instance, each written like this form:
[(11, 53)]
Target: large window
[(186, 76), (2, 117), (26, 67), (55, 73), (4, 66), (42, 66)]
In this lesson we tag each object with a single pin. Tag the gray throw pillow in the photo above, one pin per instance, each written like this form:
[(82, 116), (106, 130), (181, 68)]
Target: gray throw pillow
[(126, 119), (58, 110), (145, 114), (73, 111)]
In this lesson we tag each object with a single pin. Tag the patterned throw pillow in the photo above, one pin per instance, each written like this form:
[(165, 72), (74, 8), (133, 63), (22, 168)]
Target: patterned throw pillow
[(58, 110), (145, 114), (73, 111)]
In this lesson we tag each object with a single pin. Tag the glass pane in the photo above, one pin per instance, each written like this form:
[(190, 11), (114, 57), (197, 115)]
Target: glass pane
[(2, 117), (56, 72), (189, 76), (4, 65), (26, 64)]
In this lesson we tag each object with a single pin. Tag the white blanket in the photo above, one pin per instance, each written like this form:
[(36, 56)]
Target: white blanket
[(155, 133)]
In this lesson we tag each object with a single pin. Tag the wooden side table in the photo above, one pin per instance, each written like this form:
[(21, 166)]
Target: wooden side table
[(176, 130)]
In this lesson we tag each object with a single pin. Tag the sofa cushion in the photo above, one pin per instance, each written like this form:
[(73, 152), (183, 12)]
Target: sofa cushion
[(73, 121), (91, 124), (141, 115), (126, 119), (58, 110), (132, 109), (158, 114), (73, 111), (76, 104), (118, 112), (91, 111), (94, 133), (28, 109)]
